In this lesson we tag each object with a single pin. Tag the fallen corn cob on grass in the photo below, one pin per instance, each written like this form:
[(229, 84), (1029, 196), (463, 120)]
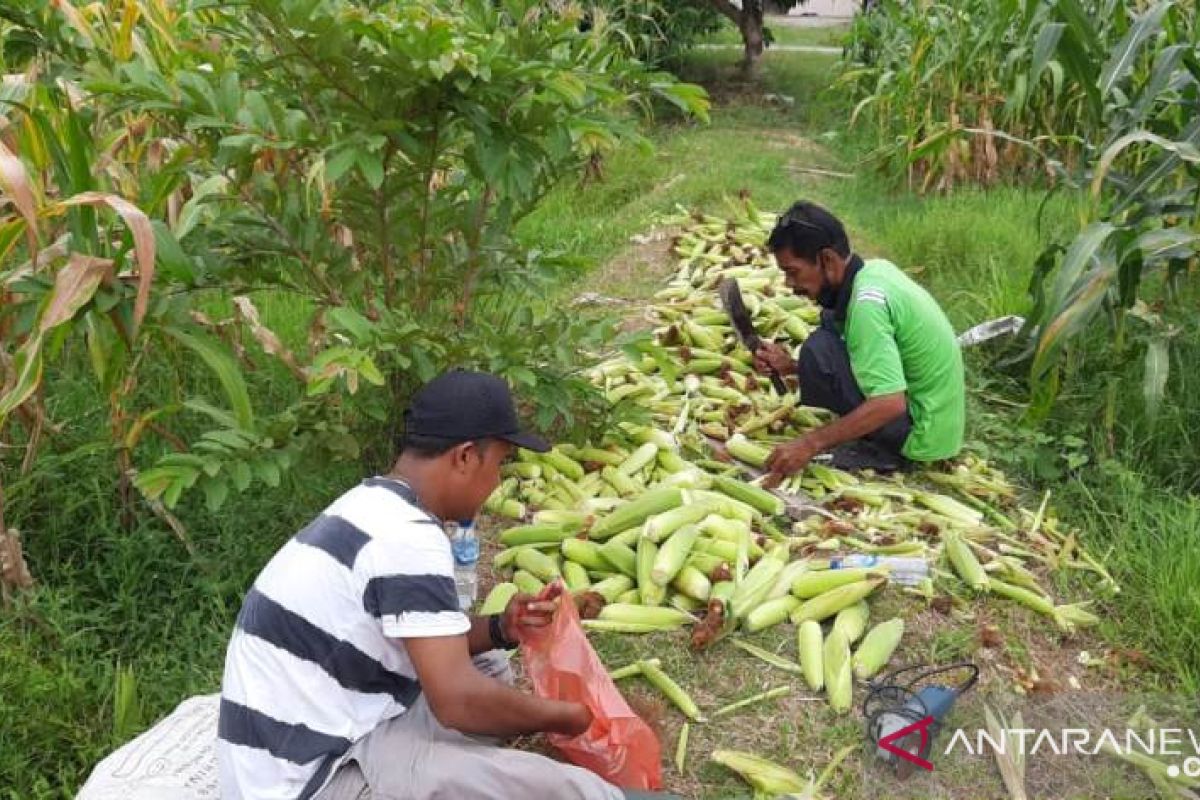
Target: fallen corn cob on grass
[(673, 509)]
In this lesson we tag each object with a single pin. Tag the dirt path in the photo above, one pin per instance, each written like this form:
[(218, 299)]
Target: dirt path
[(779, 48), (628, 279)]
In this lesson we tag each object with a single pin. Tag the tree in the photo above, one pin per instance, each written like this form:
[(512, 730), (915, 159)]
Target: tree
[(747, 15), (367, 161)]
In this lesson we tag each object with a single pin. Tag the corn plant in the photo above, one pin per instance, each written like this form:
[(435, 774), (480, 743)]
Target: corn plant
[(1144, 220), (88, 267), (963, 92), (984, 91), (1097, 95)]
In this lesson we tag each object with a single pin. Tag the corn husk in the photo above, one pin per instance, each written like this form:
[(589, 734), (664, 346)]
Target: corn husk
[(838, 680), (766, 777), (826, 605), (810, 646), (877, 648), (852, 621)]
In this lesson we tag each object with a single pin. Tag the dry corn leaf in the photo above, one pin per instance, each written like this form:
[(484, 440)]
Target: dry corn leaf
[(14, 180), (74, 286), (75, 18), (14, 572), (1011, 762), (143, 243), (265, 337)]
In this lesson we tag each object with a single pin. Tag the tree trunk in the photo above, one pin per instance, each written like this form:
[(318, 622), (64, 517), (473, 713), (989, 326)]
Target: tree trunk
[(752, 35), (749, 20)]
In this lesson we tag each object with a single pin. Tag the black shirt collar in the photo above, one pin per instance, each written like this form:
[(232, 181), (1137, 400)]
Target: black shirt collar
[(846, 290)]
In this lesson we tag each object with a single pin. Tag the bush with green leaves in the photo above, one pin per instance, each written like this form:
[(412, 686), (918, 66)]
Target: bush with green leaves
[(167, 166), (655, 31)]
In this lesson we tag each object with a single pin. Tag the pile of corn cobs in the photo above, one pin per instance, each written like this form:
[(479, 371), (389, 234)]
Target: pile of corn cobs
[(663, 525)]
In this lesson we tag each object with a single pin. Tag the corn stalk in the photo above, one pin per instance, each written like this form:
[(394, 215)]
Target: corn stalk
[(1077, 93), (1144, 217)]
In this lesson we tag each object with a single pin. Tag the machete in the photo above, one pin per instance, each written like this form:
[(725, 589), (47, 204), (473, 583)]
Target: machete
[(731, 299)]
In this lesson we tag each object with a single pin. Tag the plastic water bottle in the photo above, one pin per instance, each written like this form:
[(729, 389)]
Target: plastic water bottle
[(465, 546), (904, 570)]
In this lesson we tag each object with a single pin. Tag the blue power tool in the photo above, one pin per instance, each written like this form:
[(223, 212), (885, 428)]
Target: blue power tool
[(905, 710)]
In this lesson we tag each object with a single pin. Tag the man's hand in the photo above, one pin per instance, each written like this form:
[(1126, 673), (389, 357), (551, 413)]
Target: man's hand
[(463, 698), (581, 720), (773, 356), (791, 457), (526, 611)]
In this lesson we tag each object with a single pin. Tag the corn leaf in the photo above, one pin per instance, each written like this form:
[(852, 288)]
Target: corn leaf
[(27, 367), (1123, 57), (1184, 150), (1154, 381), (14, 180), (74, 286), (1043, 49), (144, 244)]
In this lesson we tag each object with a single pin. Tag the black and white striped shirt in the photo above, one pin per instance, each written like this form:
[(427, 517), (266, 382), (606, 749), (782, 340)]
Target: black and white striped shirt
[(315, 662)]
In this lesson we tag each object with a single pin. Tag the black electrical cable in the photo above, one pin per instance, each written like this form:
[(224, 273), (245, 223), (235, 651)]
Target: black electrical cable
[(890, 693)]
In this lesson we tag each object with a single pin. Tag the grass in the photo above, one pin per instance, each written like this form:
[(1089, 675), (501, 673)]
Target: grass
[(690, 165), (784, 34), (108, 598), (1151, 535)]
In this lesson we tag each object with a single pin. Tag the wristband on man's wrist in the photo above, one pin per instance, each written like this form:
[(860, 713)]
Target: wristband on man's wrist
[(496, 631)]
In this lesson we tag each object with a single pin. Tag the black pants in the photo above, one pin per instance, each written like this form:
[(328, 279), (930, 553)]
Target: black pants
[(826, 381)]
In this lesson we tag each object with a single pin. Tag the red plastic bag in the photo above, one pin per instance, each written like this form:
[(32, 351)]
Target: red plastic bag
[(618, 746)]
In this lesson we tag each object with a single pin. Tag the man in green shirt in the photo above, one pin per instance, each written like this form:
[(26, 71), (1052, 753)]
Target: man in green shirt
[(884, 359)]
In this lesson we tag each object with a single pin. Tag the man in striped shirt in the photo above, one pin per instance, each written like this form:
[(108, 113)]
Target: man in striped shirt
[(353, 673)]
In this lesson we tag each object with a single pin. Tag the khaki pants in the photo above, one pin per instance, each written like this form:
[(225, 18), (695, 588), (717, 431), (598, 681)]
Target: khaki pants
[(412, 757)]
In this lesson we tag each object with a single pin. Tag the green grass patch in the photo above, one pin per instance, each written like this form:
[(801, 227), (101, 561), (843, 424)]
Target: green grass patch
[(749, 145), (137, 599), (1149, 538), (786, 33)]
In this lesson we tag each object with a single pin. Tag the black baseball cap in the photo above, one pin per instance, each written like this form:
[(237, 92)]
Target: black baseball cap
[(459, 406)]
